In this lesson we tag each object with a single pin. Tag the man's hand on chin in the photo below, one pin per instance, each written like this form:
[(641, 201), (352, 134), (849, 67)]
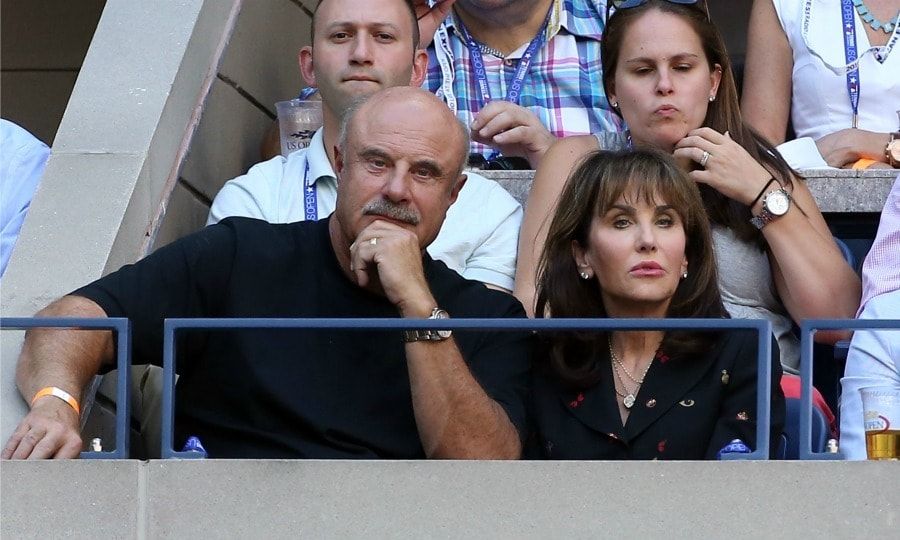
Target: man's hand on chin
[(387, 259)]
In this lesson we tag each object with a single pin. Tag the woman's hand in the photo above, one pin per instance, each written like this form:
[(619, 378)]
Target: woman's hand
[(729, 169), (843, 148)]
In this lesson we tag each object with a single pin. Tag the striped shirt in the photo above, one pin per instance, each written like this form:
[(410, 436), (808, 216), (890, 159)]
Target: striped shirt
[(564, 84)]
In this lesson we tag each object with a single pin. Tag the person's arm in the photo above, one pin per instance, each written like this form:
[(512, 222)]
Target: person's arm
[(67, 359), (549, 179), (738, 417), (455, 416), (873, 360), (844, 147), (811, 276), (768, 72)]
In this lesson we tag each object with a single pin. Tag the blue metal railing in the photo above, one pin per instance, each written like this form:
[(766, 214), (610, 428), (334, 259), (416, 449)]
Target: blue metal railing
[(807, 329), (762, 327), (122, 331)]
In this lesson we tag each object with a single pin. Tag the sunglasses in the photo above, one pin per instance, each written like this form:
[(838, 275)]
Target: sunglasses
[(497, 163), (628, 4)]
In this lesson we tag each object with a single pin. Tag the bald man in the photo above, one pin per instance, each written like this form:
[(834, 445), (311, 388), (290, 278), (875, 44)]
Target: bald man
[(306, 393)]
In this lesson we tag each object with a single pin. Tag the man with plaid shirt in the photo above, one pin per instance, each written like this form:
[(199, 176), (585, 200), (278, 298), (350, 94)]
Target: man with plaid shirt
[(560, 91)]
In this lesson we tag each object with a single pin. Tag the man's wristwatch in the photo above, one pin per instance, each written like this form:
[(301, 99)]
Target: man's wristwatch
[(892, 150), (410, 336), (775, 204)]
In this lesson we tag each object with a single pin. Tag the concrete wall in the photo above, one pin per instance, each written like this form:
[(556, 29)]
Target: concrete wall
[(258, 68), (403, 499), (116, 156)]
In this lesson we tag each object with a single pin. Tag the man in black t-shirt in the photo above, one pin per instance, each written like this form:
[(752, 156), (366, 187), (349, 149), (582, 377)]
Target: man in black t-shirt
[(316, 394)]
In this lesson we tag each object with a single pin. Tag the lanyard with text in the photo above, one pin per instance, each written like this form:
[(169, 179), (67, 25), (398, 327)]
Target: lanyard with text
[(880, 53), (310, 197), (850, 55), (515, 88)]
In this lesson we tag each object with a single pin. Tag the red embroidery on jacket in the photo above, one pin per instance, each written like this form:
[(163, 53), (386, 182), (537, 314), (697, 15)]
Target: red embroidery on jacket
[(577, 401)]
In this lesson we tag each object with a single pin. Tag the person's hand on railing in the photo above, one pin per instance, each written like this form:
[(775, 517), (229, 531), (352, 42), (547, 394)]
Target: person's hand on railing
[(49, 430), (845, 147)]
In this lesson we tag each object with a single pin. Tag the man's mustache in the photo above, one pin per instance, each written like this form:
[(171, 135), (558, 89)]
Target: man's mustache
[(388, 209)]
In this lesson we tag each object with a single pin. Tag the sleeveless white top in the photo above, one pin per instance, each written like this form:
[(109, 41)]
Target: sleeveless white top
[(820, 103)]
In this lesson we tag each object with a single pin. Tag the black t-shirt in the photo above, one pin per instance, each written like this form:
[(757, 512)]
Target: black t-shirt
[(297, 393)]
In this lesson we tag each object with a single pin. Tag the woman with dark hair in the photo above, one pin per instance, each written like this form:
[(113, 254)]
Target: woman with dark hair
[(666, 71), (630, 238)]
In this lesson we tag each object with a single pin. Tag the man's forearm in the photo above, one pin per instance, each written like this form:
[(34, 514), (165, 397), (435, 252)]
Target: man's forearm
[(64, 358), (455, 417)]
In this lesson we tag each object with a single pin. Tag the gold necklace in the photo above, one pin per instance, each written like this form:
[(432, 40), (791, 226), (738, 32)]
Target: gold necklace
[(627, 399)]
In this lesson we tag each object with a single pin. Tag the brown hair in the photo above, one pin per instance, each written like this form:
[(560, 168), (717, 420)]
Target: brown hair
[(723, 114), (578, 358)]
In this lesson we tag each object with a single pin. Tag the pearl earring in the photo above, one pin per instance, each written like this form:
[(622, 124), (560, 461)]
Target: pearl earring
[(584, 275), (615, 104), (684, 275), (712, 98)]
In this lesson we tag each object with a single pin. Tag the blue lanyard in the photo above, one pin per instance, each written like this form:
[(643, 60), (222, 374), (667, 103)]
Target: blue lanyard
[(515, 88), (310, 197), (850, 54)]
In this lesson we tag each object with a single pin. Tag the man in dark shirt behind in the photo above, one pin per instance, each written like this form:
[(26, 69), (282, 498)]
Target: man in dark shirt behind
[(315, 394)]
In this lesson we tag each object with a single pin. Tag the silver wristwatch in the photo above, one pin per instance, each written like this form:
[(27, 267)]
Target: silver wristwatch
[(410, 336), (775, 204)]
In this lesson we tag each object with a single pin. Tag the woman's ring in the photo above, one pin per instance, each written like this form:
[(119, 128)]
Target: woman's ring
[(374, 241), (704, 159)]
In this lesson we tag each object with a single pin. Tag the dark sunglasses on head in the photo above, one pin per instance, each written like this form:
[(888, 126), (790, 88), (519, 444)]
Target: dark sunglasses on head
[(497, 163), (628, 4)]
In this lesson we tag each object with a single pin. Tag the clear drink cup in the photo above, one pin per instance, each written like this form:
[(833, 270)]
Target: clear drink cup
[(298, 120), (881, 418)]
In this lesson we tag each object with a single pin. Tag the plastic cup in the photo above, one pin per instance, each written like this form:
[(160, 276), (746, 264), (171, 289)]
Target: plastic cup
[(881, 418), (298, 120)]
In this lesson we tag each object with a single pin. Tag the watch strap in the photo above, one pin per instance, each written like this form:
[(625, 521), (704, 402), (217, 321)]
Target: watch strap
[(411, 336), (765, 216)]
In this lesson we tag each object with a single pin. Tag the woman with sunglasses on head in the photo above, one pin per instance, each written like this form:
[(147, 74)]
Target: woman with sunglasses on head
[(666, 71), (799, 68), (631, 239)]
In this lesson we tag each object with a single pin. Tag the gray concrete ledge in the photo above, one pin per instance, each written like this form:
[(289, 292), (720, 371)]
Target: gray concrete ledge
[(414, 499), (836, 190)]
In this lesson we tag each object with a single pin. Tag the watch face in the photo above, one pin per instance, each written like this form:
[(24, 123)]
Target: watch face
[(441, 314), (777, 202), (894, 149)]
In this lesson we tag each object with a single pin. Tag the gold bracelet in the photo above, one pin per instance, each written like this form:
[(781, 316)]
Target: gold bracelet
[(59, 393)]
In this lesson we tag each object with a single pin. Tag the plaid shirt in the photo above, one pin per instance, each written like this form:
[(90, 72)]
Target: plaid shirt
[(881, 269), (563, 87)]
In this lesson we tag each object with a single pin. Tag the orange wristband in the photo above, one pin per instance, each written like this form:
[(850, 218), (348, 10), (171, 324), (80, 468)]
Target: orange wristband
[(57, 392), (864, 163)]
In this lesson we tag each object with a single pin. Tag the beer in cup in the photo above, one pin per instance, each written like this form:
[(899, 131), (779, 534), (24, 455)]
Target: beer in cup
[(881, 418)]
